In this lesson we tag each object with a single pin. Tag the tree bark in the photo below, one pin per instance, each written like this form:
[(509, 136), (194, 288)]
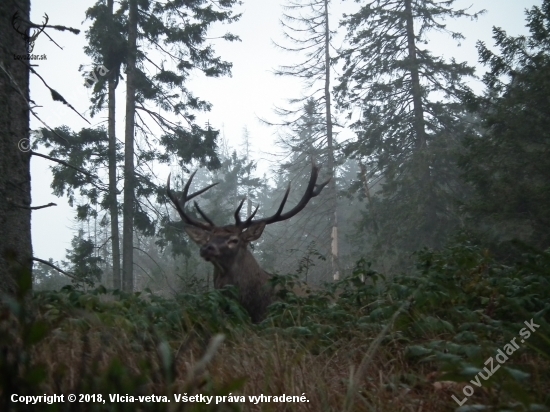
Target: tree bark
[(330, 154), (128, 208), (368, 196), (422, 159), (415, 78), (113, 202), (15, 179)]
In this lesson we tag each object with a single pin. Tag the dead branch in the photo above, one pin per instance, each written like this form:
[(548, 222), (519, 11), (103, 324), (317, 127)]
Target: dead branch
[(55, 267), (64, 163), (55, 95), (36, 207)]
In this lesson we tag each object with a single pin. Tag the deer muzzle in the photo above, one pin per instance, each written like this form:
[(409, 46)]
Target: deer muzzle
[(209, 251)]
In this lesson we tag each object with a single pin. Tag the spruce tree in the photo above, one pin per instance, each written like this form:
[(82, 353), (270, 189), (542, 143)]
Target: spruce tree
[(15, 180), (304, 140), (411, 115), (178, 32), (107, 47), (508, 163), (306, 25)]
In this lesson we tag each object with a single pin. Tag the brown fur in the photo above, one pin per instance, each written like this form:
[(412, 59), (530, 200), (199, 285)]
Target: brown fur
[(227, 249)]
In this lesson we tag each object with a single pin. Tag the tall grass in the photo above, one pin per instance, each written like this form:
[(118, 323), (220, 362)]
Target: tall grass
[(367, 343)]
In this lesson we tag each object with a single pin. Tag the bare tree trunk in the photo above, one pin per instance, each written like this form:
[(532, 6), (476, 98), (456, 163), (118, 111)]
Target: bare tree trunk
[(369, 198), (113, 202), (247, 148), (128, 208), (15, 179), (330, 150), (415, 77), (423, 165)]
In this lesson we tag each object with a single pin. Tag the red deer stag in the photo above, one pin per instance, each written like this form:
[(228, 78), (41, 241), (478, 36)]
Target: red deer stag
[(226, 247)]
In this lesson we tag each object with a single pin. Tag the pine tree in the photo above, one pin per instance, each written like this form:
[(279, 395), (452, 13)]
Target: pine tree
[(15, 180), (129, 131), (411, 115), (307, 27), (178, 31), (16, 254), (304, 140), (83, 261), (107, 47), (508, 162)]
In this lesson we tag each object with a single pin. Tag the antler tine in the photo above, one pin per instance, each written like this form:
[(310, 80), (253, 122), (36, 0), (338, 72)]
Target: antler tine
[(185, 197), (249, 218), (180, 203), (282, 205), (200, 192), (319, 187), (313, 189), (203, 214), (237, 216), (186, 187)]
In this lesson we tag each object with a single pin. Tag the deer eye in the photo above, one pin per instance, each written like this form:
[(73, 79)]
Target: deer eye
[(233, 241)]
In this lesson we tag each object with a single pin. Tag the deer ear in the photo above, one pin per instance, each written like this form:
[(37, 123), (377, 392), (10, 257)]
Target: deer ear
[(253, 232), (197, 235)]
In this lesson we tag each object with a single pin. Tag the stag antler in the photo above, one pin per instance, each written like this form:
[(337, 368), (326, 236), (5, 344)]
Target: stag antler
[(180, 203), (313, 189)]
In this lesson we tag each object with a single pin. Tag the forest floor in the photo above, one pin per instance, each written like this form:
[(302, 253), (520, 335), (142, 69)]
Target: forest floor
[(459, 335)]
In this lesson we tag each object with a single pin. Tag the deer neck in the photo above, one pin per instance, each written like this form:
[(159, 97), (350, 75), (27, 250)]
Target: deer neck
[(243, 261), (241, 271), (250, 279)]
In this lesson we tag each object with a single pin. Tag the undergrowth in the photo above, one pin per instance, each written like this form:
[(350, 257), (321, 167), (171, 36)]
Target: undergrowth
[(366, 343)]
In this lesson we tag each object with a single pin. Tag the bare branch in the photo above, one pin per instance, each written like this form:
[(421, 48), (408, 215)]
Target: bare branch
[(36, 207), (55, 267), (64, 163), (18, 89), (55, 95)]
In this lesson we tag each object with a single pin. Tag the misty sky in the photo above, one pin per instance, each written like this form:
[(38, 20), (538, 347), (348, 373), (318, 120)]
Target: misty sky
[(238, 101)]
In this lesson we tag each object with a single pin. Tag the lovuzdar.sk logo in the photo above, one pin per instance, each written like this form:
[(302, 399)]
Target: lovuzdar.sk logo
[(28, 30)]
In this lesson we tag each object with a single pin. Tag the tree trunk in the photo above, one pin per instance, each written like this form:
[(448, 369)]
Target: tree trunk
[(128, 208), (368, 196), (415, 78), (15, 179), (423, 174), (113, 202), (330, 150)]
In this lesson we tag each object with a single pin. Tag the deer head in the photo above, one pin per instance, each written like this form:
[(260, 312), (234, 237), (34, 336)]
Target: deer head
[(226, 247)]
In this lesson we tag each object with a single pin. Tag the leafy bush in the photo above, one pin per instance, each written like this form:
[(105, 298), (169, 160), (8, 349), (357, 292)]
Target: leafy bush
[(413, 333), (454, 312)]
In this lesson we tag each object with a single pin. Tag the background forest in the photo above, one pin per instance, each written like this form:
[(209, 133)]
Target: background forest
[(427, 252)]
